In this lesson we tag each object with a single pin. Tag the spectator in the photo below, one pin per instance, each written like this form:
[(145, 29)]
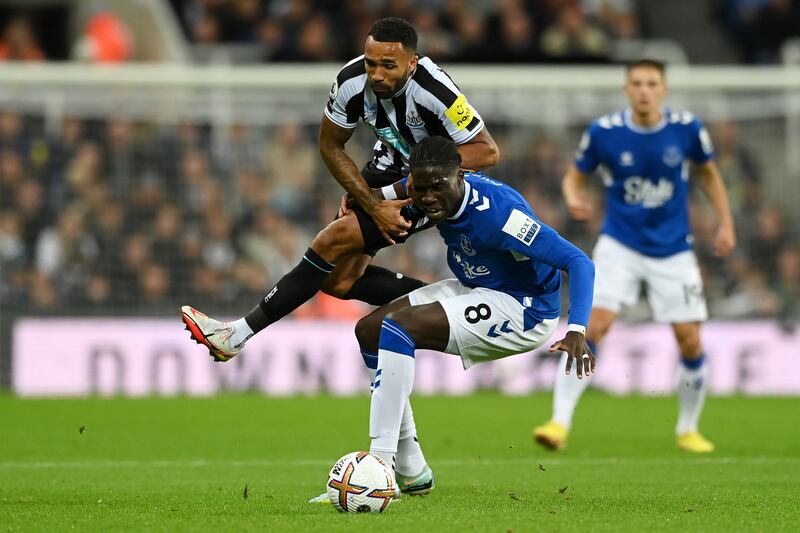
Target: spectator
[(574, 38), (19, 43)]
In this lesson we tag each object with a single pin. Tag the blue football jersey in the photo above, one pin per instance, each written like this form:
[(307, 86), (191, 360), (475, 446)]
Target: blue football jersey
[(496, 241), (646, 175)]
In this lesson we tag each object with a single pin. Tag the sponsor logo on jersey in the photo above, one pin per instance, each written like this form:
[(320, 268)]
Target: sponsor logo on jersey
[(370, 111), (460, 113), (649, 195), (466, 245), (414, 120), (672, 156), (470, 271), (391, 139), (521, 227), (626, 159)]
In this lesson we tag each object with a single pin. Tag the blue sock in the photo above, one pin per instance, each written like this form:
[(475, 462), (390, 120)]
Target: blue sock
[(371, 362), (693, 364), (395, 339), (394, 382)]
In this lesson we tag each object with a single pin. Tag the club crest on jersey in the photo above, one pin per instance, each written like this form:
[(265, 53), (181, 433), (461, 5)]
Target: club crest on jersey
[(626, 159), (414, 120), (672, 156), (466, 245)]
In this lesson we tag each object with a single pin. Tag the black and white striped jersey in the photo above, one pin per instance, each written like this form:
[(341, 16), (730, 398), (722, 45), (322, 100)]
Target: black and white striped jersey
[(429, 104)]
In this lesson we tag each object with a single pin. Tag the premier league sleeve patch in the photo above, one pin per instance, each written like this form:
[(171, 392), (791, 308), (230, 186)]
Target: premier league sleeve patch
[(521, 227)]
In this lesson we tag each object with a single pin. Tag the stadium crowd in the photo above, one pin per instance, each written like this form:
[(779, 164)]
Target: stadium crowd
[(514, 31), (139, 218)]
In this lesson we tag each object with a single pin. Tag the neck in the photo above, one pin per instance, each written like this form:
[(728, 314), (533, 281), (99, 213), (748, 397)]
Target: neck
[(646, 118)]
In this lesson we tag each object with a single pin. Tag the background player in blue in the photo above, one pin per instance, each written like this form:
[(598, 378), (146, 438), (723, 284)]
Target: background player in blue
[(504, 300), (643, 154)]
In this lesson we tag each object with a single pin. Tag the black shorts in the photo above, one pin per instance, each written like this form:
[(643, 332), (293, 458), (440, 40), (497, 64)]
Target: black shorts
[(373, 239)]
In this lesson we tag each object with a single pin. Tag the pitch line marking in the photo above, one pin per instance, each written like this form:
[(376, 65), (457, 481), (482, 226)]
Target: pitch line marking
[(301, 463)]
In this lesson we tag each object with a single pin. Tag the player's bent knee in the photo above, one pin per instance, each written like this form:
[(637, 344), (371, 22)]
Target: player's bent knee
[(338, 238)]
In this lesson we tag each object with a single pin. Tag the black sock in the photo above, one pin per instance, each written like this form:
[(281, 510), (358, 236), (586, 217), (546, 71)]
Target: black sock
[(379, 286), (292, 290)]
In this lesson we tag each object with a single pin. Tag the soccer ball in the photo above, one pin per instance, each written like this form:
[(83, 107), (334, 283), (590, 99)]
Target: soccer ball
[(361, 483)]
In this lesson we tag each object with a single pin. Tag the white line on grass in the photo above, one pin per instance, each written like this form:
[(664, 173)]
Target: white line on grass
[(301, 463)]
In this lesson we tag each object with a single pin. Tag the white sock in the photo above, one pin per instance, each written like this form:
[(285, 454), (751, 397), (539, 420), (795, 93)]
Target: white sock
[(691, 396), (393, 383), (410, 459), (567, 392), (241, 332)]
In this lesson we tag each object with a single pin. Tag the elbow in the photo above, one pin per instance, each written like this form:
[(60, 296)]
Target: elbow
[(492, 155)]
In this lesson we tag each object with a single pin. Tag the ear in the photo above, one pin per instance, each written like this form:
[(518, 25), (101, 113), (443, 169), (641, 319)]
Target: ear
[(412, 63)]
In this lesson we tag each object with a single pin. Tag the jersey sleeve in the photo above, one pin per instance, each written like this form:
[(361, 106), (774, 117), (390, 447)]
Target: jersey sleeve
[(701, 149), (341, 108), (587, 155), (523, 234), (440, 96)]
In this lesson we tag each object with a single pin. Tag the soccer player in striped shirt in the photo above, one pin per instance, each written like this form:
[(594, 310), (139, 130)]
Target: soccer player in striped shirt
[(403, 98)]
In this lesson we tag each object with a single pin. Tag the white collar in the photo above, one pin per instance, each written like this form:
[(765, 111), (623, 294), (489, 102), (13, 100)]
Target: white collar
[(464, 202), (645, 129)]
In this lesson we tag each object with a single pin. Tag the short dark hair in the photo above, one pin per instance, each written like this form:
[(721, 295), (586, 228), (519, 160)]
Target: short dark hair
[(647, 63), (437, 152), (395, 30)]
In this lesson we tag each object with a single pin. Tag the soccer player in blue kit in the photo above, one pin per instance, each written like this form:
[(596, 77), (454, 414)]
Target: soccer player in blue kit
[(504, 299), (643, 154)]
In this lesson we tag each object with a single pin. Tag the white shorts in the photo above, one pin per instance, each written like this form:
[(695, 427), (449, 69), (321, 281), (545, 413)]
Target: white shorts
[(674, 286), (484, 324)]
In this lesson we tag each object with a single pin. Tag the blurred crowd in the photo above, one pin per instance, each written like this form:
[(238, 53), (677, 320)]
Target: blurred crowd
[(510, 31), (759, 28), (111, 216)]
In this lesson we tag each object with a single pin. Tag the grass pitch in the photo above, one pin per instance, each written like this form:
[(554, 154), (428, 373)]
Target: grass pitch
[(183, 465)]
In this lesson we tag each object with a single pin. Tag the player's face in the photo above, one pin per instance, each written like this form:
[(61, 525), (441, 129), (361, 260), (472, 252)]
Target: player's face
[(389, 66), (437, 192), (645, 88)]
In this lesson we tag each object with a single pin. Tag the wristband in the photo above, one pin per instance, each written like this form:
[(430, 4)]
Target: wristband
[(388, 192), (577, 328)]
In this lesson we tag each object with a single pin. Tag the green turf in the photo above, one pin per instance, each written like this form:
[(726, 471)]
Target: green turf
[(183, 464)]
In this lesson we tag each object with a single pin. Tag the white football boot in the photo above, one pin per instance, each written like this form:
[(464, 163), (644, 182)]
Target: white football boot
[(211, 333)]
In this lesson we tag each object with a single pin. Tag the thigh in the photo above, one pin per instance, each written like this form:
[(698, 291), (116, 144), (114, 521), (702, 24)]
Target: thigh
[(675, 288), (446, 288), (617, 274), (372, 236), (487, 325)]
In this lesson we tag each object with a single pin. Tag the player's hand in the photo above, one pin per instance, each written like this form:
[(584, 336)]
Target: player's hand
[(386, 214), (345, 205), (574, 344), (578, 205), (725, 240)]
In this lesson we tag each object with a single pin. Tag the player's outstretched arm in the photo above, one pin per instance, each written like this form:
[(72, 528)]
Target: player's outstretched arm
[(386, 213), (480, 152), (714, 188), (573, 189), (549, 247)]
